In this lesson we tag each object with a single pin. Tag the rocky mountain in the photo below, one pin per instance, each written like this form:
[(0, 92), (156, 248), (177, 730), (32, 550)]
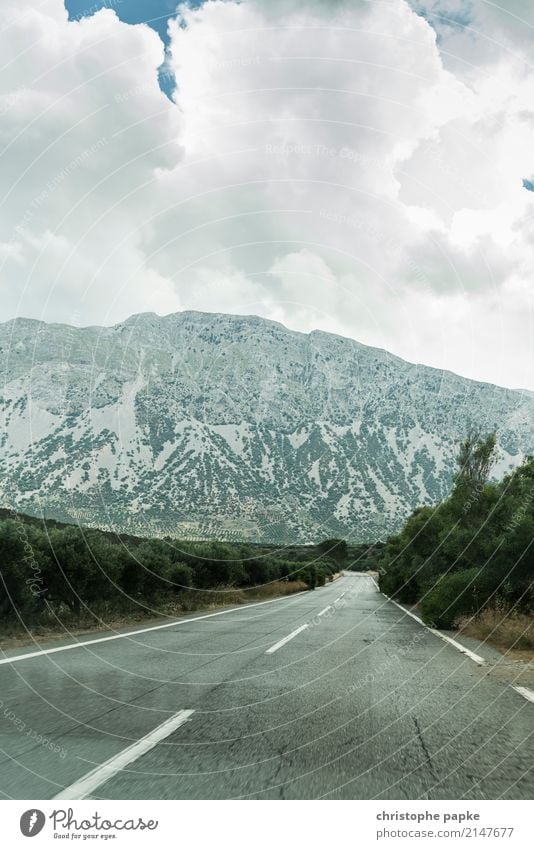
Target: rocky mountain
[(205, 425)]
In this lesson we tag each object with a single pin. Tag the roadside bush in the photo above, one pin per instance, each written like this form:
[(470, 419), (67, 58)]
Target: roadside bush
[(309, 576), (453, 596), (470, 549), (51, 572), (83, 568), (335, 548), (22, 562), (181, 577)]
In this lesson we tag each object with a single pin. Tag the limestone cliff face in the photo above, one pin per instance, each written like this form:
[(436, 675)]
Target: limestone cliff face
[(206, 425)]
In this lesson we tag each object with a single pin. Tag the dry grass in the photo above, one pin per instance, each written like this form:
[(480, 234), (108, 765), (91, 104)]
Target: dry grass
[(192, 600), (275, 589), (504, 628)]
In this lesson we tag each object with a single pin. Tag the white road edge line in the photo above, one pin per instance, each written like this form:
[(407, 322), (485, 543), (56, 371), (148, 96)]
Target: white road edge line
[(286, 639), (525, 692), (472, 655), (88, 783), (173, 624)]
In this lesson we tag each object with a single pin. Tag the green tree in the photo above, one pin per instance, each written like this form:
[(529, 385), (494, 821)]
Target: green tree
[(475, 460), (336, 548), (83, 568), (476, 548)]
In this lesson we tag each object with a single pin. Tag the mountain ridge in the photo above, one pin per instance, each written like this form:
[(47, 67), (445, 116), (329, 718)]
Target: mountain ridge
[(132, 319), (207, 424)]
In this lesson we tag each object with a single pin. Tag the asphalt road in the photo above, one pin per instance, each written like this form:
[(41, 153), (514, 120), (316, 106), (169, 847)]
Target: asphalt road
[(361, 702)]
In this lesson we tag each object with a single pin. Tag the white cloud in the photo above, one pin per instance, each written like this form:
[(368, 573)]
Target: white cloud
[(474, 33), (83, 125), (327, 165)]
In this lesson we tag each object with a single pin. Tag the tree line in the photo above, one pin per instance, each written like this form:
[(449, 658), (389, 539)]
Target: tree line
[(472, 551), (48, 567)]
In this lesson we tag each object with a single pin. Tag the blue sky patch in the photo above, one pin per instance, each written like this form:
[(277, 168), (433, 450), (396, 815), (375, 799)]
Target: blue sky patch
[(528, 185), (155, 13), (442, 18)]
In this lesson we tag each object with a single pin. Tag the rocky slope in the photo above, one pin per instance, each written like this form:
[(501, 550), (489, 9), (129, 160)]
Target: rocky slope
[(215, 425)]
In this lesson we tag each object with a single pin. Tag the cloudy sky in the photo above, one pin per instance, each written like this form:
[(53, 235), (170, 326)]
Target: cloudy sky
[(363, 167)]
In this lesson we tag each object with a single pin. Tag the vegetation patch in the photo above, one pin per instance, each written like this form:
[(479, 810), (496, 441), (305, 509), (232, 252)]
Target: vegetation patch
[(57, 577), (503, 628), (470, 558)]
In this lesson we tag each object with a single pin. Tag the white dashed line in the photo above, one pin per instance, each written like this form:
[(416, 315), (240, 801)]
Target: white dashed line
[(89, 783), (523, 691), (286, 639)]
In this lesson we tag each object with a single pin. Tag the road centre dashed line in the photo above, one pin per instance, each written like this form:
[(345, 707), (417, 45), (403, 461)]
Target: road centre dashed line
[(525, 692), (285, 640), (102, 773)]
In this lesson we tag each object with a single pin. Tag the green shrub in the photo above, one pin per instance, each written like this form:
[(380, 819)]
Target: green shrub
[(309, 576), (454, 595), (336, 548), (181, 576), (472, 547)]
